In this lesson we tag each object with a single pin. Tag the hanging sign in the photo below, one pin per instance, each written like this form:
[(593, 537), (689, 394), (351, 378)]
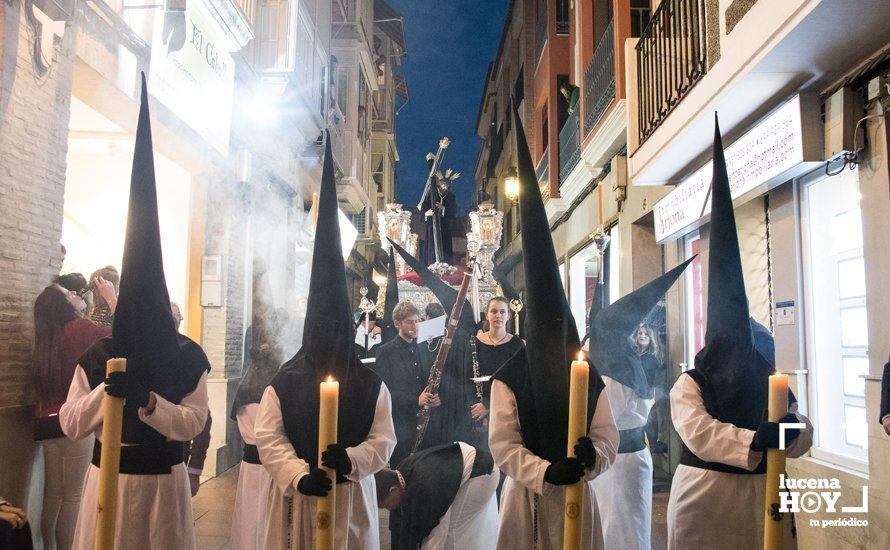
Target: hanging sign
[(192, 73), (764, 155)]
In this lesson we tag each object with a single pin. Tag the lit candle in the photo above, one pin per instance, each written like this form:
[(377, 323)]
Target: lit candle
[(577, 429), (327, 435), (775, 466), (109, 462)]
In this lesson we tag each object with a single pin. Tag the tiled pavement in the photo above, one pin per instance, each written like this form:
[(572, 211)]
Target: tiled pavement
[(213, 507)]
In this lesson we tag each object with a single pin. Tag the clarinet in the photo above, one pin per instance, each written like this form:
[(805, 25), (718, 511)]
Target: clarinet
[(423, 415), (480, 427)]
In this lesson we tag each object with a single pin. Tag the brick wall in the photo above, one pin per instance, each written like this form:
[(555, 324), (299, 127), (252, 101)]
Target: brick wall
[(34, 113)]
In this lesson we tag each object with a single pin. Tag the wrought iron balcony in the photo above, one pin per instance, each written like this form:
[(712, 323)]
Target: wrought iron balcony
[(599, 79), (671, 59), (569, 150)]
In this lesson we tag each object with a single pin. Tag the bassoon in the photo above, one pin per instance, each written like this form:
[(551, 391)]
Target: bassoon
[(423, 415)]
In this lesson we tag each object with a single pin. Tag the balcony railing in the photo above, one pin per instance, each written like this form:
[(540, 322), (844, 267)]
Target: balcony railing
[(599, 79), (569, 150), (671, 59), (542, 172), (540, 33)]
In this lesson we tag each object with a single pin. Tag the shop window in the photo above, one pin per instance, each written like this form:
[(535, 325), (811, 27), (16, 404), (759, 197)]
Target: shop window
[(836, 320), (583, 278), (695, 325)]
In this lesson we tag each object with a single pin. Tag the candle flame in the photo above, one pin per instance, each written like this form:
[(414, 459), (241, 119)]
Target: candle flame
[(580, 356), (330, 379)]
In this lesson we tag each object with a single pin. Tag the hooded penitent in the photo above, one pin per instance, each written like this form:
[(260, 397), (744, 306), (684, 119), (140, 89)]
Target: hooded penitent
[(328, 348), (450, 421), (144, 332), (538, 374), (264, 352), (433, 479), (732, 370), (391, 300), (611, 326)]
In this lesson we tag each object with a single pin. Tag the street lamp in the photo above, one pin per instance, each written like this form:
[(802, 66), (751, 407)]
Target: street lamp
[(511, 188)]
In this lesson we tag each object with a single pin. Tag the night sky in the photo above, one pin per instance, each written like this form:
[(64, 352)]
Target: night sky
[(450, 44)]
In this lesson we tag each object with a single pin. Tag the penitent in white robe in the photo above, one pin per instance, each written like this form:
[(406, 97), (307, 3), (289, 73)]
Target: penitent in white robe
[(709, 509), (154, 512), (525, 478), (471, 521), (291, 514), (252, 495), (624, 491)]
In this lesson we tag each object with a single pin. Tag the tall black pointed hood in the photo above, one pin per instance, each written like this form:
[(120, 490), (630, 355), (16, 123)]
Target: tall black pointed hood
[(264, 354), (446, 295), (732, 372), (610, 328), (538, 374), (388, 329), (143, 331), (327, 343), (510, 293)]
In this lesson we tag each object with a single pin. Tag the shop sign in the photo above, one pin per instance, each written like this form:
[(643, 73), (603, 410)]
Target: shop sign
[(192, 72), (767, 151)]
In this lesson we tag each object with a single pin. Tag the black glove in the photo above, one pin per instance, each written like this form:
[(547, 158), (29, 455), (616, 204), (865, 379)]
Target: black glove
[(121, 384), (567, 471), (585, 452), (767, 435), (315, 484), (335, 458)]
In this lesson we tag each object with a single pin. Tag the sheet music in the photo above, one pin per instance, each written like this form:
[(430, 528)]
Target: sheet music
[(431, 328)]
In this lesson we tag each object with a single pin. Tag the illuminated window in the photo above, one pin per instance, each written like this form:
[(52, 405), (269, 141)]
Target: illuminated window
[(837, 327)]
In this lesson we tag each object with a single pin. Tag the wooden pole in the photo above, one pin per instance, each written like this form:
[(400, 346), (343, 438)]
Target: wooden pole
[(773, 524), (109, 465), (571, 538)]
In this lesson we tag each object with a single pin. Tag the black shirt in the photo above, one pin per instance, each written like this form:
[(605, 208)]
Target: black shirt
[(400, 366)]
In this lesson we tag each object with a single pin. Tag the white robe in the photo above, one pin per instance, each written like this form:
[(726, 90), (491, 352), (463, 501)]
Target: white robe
[(252, 495), (709, 509), (154, 512), (525, 478), (471, 521), (624, 491), (291, 515)]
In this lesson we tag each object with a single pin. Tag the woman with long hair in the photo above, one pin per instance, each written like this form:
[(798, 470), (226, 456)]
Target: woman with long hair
[(61, 336), (488, 350), (646, 343)]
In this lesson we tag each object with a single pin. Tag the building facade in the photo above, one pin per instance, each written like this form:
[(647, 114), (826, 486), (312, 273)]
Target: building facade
[(802, 110), (241, 93)]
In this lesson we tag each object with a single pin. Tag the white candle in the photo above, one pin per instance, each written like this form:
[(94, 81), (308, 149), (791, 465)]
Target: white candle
[(578, 383), (329, 395)]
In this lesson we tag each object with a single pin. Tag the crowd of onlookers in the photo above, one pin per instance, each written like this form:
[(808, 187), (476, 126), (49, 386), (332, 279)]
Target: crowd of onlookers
[(70, 315)]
